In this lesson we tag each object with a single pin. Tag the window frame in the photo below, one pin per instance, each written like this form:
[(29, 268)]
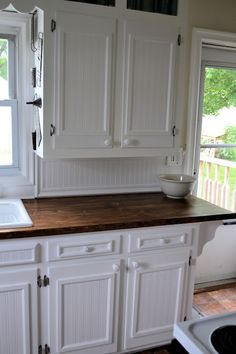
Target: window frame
[(21, 181), (11, 101), (200, 38)]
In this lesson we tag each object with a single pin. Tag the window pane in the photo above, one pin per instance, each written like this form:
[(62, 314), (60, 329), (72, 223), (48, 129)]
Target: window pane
[(168, 7), (97, 2), (4, 71), (6, 136), (219, 106)]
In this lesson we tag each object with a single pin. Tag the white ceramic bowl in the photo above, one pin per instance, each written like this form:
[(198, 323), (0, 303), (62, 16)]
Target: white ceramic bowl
[(176, 185)]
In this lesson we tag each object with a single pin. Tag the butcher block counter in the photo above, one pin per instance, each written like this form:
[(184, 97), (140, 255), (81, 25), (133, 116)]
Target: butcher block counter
[(67, 215)]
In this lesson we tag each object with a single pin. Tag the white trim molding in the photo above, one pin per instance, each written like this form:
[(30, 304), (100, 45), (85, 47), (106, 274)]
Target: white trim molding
[(22, 183), (200, 37)]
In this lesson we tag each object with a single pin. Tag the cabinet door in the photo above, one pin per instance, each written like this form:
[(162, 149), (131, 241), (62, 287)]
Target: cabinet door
[(83, 81), (18, 312), (156, 297), (149, 82), (84, 307)]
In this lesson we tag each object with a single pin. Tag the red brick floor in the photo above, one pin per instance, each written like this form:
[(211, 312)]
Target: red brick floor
[(215, 302)]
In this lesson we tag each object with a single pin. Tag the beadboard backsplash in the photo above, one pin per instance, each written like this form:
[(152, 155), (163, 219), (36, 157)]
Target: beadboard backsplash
[(99, 176)]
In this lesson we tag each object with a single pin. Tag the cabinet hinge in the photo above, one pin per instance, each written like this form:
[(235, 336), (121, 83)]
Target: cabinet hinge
[(52, 130), (53, 25), (46, 349), (179, 39), (174, 130), (190, 261), (42, 281)]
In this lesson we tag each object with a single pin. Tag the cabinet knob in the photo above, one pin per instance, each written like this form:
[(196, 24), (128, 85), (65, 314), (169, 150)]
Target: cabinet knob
[(108, 141), (85, 249), (127, 142), (135, 265), (164, 241), (116, 267)]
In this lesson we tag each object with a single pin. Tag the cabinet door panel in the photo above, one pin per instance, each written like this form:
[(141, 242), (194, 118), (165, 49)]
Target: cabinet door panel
[(155, 296), (84, 315), (149, 80), (18, 312), (84, 65)]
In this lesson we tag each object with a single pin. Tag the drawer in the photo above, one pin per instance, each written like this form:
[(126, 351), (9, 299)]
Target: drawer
[(159, 238), (83, 246), (16, 253)]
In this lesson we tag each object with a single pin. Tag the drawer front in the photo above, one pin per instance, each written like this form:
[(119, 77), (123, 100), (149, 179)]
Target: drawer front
[(159, 238), (83, 246), (19, 253)]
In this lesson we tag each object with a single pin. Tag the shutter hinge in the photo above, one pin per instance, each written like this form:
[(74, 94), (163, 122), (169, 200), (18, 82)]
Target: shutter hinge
[(42, 281), (46, 349), (190, 261), (179, 39), (53, 25), (174, 130), (52, 130)]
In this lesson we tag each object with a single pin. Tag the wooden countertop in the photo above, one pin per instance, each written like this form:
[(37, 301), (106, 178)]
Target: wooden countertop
[(54, 216)]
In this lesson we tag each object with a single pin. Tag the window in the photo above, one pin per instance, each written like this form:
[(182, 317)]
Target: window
[(16, 119), (97, 2), (211, 151), (167, 7), (8, 103)]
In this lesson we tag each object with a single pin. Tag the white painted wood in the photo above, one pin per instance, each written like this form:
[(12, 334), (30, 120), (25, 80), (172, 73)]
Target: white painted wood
[(149, 81), (96, 176), (84, 246), (84, 307), (156, 289), (110, 302), (84, 64), (19, 253), (160, 238), (18, 311)]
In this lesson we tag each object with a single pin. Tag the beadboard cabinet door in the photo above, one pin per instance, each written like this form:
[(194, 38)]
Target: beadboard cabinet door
[(156, 296), (83, 307), (18, 311), (84, 57), (149, 84)]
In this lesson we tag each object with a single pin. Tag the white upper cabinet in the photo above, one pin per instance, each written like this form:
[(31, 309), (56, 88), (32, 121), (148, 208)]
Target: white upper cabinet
[(83, 81), (149, 78), (111, 75)]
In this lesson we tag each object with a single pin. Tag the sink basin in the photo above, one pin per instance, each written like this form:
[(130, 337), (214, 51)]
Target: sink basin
[(13, 214)]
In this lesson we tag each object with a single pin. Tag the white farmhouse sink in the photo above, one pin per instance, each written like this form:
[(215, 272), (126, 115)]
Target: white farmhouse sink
[(13, 214)]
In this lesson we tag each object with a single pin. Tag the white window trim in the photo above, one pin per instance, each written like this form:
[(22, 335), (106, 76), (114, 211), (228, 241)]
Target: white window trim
[(21, 184), (200, 37)]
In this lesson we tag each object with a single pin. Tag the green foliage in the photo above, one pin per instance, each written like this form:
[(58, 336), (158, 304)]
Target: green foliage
[(3, 58), (229, 138), (219, 90)]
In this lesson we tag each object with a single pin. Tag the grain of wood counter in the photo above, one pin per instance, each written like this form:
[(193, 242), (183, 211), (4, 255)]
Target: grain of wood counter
[(54, 216)]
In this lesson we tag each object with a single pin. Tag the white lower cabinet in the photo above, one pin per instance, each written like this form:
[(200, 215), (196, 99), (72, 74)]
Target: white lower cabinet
[(98, 293), (19, 311), (155, 298), (83, 307)]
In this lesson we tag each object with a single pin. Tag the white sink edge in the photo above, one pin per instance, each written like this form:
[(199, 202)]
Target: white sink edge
[(25, 220)]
